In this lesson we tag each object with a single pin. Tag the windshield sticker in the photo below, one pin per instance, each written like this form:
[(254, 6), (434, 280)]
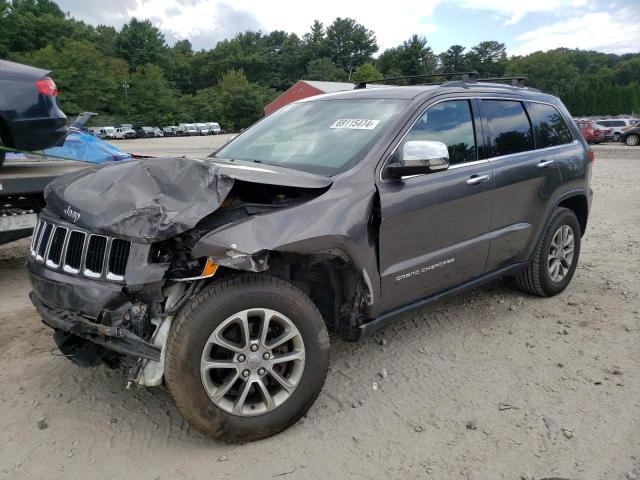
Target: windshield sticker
[(355, 124)]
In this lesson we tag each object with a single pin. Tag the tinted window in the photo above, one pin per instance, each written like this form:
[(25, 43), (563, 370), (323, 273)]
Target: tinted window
[(450, 123), (612, 123), (509, 127), (549, 128)]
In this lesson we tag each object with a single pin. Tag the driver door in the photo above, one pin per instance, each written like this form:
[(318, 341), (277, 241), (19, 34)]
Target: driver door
[(434, 232)]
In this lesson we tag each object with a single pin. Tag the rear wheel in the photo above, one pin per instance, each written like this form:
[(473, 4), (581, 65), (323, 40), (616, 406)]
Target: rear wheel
[(247, 358), (632, 140), (554, 258), (616, 137)]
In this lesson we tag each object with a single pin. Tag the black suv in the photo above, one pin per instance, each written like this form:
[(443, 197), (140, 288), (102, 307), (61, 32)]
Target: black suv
[(222, 276)]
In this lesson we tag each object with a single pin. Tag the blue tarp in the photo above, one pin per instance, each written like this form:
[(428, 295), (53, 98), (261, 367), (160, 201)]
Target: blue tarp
[(85, 147)]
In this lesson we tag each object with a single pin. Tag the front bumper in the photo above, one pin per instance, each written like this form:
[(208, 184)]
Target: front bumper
[(78, 294), (114, 338)]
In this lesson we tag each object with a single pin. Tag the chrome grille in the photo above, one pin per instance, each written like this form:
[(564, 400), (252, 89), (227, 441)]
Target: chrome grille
[(80, 253)]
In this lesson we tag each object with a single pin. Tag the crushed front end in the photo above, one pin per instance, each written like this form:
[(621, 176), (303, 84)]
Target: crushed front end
[(112, 256), (103, 296)]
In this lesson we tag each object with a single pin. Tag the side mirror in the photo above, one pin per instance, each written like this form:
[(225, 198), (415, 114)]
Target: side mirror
[(420, 157)]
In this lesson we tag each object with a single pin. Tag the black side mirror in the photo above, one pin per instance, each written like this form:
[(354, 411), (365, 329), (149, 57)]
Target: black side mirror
[(419, 158)]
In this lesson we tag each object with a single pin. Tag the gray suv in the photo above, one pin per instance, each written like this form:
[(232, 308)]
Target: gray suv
[(221, 277)]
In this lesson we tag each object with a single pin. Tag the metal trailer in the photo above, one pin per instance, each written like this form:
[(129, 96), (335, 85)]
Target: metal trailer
[(22, 185)]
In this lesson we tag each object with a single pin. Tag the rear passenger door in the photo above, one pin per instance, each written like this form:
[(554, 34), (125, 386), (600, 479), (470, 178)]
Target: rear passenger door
[(525, 177)]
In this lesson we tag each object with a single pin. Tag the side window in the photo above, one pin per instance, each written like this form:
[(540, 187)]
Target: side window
[(509, 128), (451, 123), (549, 128)]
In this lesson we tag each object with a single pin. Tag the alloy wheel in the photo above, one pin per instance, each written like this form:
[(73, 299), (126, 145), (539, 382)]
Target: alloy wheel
[(561, 253), (252, 362)]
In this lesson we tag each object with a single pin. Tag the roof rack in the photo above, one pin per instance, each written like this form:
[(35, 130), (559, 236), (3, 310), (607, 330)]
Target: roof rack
[(467, 78)]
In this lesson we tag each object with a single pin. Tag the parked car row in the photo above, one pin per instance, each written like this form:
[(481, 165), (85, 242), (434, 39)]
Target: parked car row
[(125, 131), (609, 129)]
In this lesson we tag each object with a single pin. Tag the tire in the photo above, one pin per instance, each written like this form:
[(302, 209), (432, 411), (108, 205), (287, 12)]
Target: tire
[(190, 343), (633, 140), (616, 137), (537, 279)]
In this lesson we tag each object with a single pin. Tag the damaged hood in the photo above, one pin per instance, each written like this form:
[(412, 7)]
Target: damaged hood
[(152, 199)]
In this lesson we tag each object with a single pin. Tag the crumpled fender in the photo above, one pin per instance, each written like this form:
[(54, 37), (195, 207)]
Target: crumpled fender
[(337, 220)]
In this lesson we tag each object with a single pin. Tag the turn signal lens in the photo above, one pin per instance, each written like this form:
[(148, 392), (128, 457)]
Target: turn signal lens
[(591, 155), (210, 269)]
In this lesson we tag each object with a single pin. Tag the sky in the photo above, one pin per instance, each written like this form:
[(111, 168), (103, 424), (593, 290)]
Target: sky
[(524, 26)]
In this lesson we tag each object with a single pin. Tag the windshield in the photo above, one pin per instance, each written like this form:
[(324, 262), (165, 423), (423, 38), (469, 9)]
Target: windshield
[(322, 136)]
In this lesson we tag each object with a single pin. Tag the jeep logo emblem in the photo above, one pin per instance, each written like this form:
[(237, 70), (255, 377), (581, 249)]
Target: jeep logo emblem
[(72, 214)]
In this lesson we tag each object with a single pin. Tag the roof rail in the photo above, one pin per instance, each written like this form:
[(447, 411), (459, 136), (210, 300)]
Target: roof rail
[(467, 78)]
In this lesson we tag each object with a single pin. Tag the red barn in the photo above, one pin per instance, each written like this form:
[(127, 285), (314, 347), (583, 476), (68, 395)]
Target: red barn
[(303, 89)]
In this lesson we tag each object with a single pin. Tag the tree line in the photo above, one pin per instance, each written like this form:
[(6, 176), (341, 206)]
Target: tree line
[(133, 75)]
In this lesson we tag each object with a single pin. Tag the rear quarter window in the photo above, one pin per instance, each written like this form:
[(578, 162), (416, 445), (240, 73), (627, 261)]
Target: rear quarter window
[(549, 127), (509, 128)]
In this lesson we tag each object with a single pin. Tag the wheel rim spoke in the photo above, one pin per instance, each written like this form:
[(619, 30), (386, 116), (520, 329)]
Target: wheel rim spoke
[(285, 337), (284, 383), (222, 390), (222, 342), (288, 357), (264, 392), (238, 406), (221, 364)]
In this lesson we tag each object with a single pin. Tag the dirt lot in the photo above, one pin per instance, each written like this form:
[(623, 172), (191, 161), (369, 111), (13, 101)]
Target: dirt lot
[(493, 384)]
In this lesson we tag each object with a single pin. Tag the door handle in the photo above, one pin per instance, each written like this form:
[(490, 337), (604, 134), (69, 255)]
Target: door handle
[(546, 163), (476, 179)]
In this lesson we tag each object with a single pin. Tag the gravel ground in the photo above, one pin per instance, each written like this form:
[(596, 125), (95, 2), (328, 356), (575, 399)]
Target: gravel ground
[(493, 384)]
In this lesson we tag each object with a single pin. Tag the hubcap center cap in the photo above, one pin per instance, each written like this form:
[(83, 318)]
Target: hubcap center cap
[(254, 361)]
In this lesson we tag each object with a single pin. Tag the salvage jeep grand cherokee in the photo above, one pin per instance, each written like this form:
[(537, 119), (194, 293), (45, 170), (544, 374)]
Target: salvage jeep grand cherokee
[(220, 277)]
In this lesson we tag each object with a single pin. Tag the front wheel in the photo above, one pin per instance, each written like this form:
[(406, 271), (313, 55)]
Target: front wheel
[(554, 258), (247, 358), (632, 140)]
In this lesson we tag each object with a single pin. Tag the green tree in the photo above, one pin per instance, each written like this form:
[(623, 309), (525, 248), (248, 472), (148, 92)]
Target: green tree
[(389, 60), (454, 59), (29, 25), (416, 58), (322, 69), (240, 102), (314, 43), (179, 66), (350, 44), (140, 43), (488, 58), (627, 71), (105, 39), (366, 73), (549, 71), (151, 99), (411, 58)]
